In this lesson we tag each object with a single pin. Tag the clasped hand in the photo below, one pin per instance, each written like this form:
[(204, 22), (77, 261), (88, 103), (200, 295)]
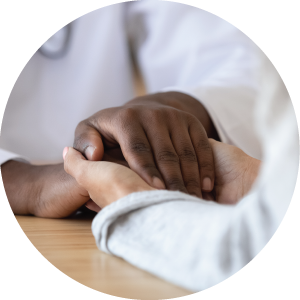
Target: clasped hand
[(107, 182), (166, 146), (163, 138), (163, 146)]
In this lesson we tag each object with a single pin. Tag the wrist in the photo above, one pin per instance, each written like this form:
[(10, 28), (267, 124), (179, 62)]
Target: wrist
[(40, 190), (59, 195)]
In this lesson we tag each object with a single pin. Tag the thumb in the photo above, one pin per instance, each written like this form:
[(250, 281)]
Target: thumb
[(212, 141), (88, 141), (74, 163)]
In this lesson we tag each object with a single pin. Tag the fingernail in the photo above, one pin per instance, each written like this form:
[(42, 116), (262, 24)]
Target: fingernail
[(66, 149), (158, 184), (206, 184), (89, 151)]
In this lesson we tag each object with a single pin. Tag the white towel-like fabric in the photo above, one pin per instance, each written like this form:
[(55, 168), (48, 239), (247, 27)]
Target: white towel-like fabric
[(195, 243)]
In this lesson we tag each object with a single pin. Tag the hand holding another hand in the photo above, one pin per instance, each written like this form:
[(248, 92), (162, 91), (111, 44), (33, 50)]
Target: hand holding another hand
[(107, 182), (235, 173), (160, 139), (104, 181)]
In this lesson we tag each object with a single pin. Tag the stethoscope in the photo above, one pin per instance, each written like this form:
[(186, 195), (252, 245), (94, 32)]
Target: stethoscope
[(57, 46)]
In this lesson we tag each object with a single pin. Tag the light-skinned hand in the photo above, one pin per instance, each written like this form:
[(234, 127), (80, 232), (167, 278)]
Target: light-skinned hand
[(235, 173), (104, 181), (163, 138)]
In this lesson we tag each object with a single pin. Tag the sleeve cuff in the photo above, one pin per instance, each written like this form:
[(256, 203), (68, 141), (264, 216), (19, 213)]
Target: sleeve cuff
[(7, 155), (134, 201)]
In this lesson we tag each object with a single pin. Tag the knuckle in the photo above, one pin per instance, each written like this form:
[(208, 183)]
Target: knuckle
[(175, 183), (187, 155), (81, 124), (81, 135), (175, 115), (203, 145), (149, 168), (126, 120), (155, 115), (139, 147), (192, 183), (79, 142), (191, 119), (127, 113), (206, 165), (167, 156)]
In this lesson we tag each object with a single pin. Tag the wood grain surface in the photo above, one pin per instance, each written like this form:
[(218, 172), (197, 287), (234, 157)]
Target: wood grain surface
[(70, 246)]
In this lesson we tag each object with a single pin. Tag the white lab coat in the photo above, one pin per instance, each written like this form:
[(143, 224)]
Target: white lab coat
[(185, 240), (177, 47)]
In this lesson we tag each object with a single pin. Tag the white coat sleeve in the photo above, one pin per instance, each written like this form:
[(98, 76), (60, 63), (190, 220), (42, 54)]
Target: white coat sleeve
[(183, 48), (7, 155), (194, 243)]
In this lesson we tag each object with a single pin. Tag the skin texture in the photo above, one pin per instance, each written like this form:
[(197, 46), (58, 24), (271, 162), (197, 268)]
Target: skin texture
[(163, 138), (235, 173), (48, 191), (44, 191), (104, 181), (107, 182)]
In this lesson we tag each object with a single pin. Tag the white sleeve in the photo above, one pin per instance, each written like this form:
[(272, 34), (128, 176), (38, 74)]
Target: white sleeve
[(183, 48), (7, 155), (196, 244)]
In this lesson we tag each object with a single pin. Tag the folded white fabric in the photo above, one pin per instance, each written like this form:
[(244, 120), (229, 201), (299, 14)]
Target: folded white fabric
[(194, 243), (7, 155)]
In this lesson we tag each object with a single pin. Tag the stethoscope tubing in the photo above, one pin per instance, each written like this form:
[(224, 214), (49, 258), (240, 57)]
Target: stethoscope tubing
[(63, 50)]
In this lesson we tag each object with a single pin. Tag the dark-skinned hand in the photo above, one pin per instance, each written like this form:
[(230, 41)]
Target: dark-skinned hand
[(163, 138)]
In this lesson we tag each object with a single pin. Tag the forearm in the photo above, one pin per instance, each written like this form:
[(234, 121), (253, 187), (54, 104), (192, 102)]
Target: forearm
[(21, 186), (44, 191), (182, 102)]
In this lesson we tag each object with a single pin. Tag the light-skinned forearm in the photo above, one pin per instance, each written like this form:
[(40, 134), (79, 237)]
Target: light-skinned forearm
[(251, 174)]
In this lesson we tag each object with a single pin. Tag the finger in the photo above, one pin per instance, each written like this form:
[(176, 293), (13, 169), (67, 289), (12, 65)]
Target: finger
[(115, 155), (188, 160), (166, 159), (109, 158), (88, 141), (204, 155), (208, 196), (92, 206), (212, 142), (75, 164), (138, 153)]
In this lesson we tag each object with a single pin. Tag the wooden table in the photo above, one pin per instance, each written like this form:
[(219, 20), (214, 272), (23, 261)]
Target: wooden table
[(70, 246)]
